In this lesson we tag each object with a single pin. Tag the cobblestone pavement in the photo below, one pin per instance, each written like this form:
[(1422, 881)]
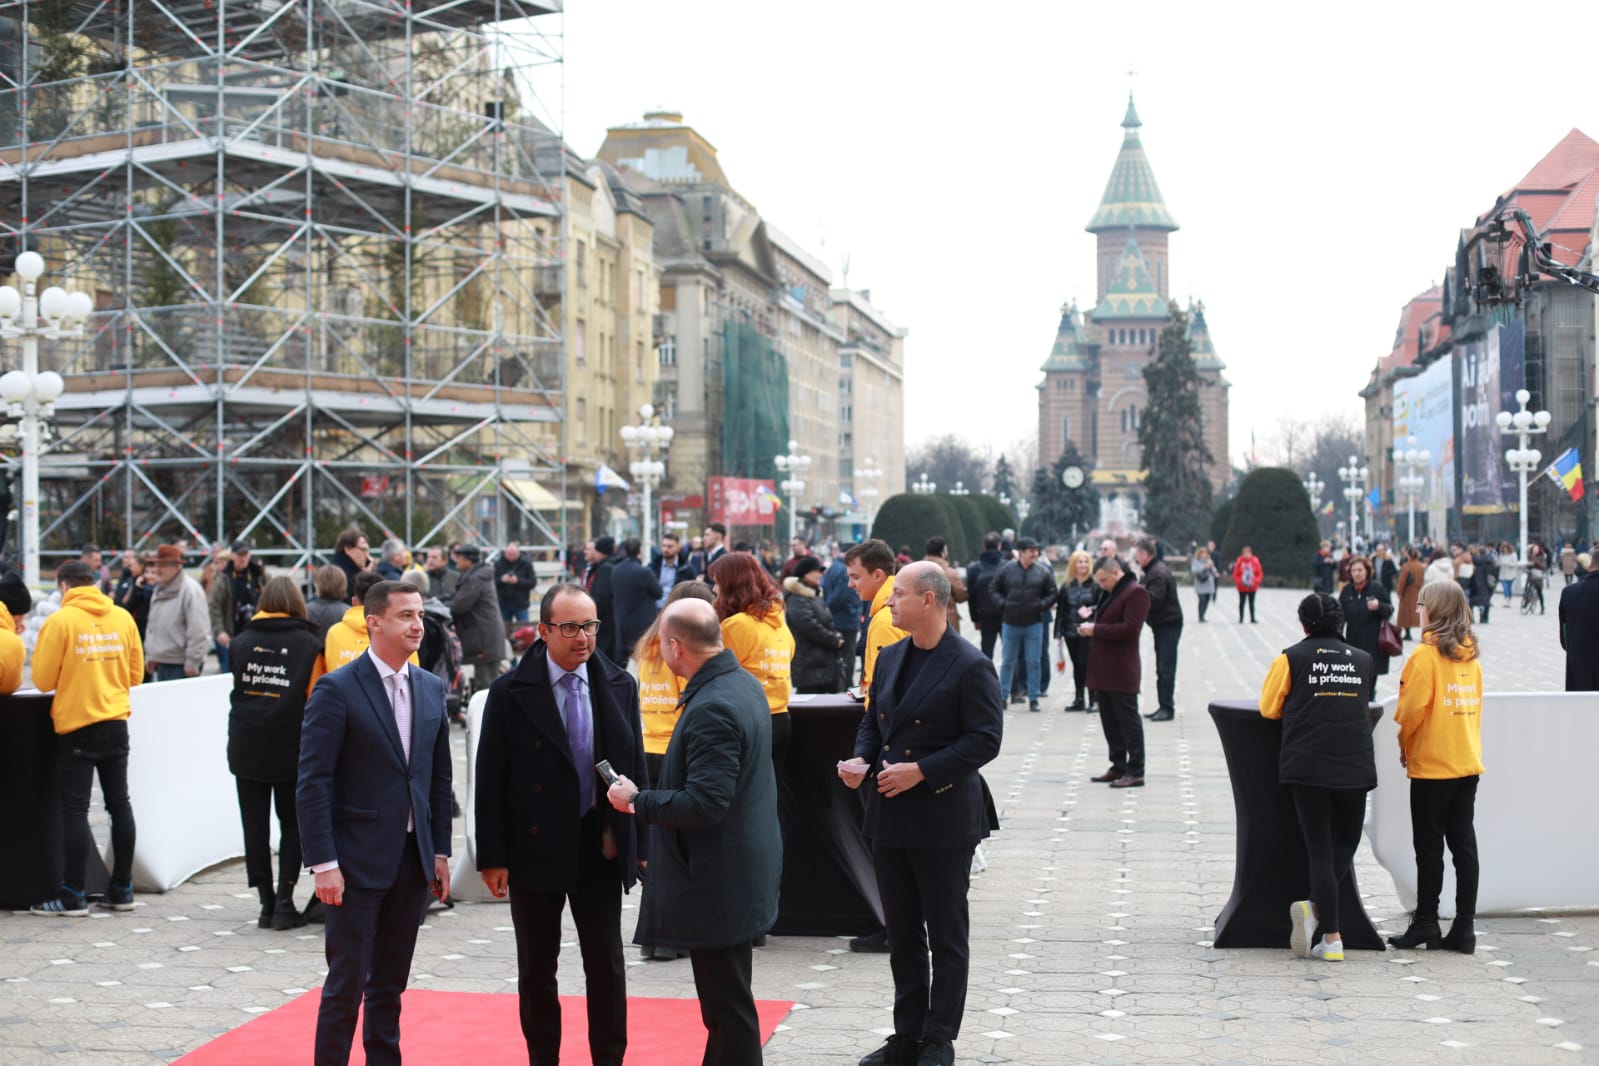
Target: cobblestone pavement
[(1090, 933)]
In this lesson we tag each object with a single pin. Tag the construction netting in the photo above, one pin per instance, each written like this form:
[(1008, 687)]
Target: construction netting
[(754, 404)]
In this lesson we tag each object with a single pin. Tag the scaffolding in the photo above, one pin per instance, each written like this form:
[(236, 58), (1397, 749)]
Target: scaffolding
[(324, 242)]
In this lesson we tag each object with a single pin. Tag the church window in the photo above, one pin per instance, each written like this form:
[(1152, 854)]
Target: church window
[(1065, 429)]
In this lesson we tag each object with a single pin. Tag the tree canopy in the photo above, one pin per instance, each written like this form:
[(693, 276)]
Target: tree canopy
[(1271, 514), (1171, 435)]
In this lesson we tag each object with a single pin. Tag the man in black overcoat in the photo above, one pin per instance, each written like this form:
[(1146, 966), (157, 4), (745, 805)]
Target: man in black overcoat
[(935, 719), (715, 803), (635, 590), (544, 830), (1579, 633)]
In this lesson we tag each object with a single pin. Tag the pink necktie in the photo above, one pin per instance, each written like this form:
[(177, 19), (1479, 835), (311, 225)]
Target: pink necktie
[(400, 697)]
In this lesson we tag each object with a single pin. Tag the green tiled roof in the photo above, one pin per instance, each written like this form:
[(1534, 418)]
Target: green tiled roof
[(1131, 196), (1072, 348), (1205, 356), (1132, 292)]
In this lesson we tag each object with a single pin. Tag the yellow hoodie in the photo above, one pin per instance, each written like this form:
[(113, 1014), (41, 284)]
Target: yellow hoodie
[(1440, 714), (880, 633), (347, 641), (658, 693), (765, 648), (90, 655), (11, 653)]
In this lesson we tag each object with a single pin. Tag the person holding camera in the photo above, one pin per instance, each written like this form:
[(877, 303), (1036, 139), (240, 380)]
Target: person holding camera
[(235, 590)]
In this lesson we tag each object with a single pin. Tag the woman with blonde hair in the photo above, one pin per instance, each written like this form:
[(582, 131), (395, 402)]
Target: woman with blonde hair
[(1203, 567), (1078, 594), (1440, 746)]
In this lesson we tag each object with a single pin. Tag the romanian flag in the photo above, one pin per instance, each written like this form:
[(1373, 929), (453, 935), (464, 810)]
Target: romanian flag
[(766, 492), (1566, 472), (1328, 509)]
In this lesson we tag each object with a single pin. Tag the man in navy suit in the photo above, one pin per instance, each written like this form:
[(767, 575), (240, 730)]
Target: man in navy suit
[(935, 718), (545, 833), (374, 800)]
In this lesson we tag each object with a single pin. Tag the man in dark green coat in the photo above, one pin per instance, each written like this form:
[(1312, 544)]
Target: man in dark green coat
[(716, 854)]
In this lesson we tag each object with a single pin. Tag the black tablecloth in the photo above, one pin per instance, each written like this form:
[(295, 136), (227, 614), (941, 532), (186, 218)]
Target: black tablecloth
[(30, 832), (828, 887), (1272, 866)]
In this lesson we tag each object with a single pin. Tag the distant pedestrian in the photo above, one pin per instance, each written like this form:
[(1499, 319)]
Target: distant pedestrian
[(514, 583), (1203, 569), (1568, 563), (234, 591), (1579, 633), (1247, 576), (1073, 607), (325, 610), (986, 609), (1027, 589), (1325, 568), (1366, 605), (635, 591), (845, 606), (1508, 564), (1165, 624), (476, 611), (1411, 577), (178, 633), (816, 641), (1114, 669), (1440, 746), (352, 553)]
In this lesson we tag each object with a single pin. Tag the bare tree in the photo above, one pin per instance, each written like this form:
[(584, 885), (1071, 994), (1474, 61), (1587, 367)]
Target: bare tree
[(946, 460)]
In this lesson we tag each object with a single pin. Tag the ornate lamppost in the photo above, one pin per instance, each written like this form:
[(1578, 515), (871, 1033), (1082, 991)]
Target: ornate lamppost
[(794, 465), (1523, 459), (644, 440), (1411, 465), (1354, 477), (924, 487)]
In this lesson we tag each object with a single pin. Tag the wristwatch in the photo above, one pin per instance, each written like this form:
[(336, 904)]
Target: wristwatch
[(630, 800)]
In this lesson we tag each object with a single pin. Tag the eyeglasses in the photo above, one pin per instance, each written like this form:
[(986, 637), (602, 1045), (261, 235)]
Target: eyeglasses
[(570, 629)]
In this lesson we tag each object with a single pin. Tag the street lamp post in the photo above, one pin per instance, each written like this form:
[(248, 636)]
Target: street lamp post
[(924, 487), (29, 394), (1524, 460), (1412, 465), (644, 440), (960, 489), (869, 475), (1313, 487), (794, 465), (1355, 477)]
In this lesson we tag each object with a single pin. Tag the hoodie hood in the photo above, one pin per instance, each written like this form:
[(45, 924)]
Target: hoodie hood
[(795, 587), (355, 620), (774, 618), (88, 599)]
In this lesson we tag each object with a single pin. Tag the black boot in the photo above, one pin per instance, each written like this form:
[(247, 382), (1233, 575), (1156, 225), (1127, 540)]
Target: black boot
[(1423, 930), (284, 914), (265, 921), (1462, 936)]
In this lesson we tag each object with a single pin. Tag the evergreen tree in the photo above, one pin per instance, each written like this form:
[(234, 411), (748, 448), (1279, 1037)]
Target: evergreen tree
[(1078, 509), (1004, 481), (1043, 515), (1172, 437)]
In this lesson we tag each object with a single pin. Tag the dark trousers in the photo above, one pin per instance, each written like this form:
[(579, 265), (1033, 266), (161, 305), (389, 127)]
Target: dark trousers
[(1330, 820), (846, 661), (1204, 603), (924, 907), (99, 748), (727, 1005), (1124, 731), (370, 938), (1246, 598), (1077, 648), (1166, 638), (990, 638), (1440, 811), (255, 801), (597, 912), (168, 671)]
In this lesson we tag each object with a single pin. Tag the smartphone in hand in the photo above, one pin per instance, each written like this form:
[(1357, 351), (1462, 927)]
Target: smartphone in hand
[(604, 769)]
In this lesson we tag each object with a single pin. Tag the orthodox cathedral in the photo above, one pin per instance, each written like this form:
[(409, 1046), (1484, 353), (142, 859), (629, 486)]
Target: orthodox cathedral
[(1093, 389)]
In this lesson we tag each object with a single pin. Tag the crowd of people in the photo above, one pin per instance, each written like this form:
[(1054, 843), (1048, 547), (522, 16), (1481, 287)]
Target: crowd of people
[(643, 718)]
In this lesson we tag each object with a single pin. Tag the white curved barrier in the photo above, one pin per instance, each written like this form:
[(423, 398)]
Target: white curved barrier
[(464, 880), (1537, 826)]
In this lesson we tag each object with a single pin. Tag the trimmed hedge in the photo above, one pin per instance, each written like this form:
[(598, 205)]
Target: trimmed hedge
[(909, 519), (1272, 515), (1220, 519)]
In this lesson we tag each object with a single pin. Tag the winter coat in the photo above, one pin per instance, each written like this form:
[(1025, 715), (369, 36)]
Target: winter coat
[(816, 642), (716, 853), (1326, 570), (1164, 610), (1579, 633), (1326, 742), (1361, 623), (1113, 663), (343, 561), (1438, 570), (1204, 571), (443, 583), (274, 660), (476, 610), (1074, 595), (133, 596), (178, 631), (325, 613), (514, 597), (634, 592), (984, 607), (1026, 594), (841, 600), (1247, 573), (1484, 581), (599, 586), (957, 592), (224, 602), (1411, 577)]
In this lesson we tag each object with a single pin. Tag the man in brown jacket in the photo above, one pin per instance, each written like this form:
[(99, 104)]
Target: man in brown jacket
[(937, 551), (1114, 669)]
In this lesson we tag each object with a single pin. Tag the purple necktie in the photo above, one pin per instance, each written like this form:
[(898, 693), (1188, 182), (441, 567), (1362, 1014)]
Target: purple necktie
[(580, 735)]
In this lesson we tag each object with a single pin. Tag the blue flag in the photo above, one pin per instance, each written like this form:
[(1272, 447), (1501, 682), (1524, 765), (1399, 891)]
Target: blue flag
[(1374, 498)]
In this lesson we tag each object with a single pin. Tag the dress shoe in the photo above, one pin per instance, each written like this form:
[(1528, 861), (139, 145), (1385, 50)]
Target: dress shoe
[(1162, 716), (284, 913), (1423, 930), (1077, 705), (1014, 700), (1032, 705), (314, 913), (1107, 777), (936, 1052), (896, 1051), (871, 943), (1128, 781), (1462, 937)]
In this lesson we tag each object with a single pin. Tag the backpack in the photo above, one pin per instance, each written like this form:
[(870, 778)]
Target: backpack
[(441, 656), (980, 594)]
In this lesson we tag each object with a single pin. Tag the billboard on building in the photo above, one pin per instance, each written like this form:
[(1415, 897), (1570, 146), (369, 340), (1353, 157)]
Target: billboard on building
[(1490, 374), (740, 501), (1424, 409)]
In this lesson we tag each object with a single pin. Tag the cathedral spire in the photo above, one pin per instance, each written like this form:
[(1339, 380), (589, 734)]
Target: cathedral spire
[(1132, 198)]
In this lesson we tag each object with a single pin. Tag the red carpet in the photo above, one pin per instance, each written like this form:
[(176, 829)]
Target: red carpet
[(446, 1028)]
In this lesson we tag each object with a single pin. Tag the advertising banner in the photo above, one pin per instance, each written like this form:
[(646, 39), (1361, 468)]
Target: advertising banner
[(740, 501), (1490, 374), (1424, 409)]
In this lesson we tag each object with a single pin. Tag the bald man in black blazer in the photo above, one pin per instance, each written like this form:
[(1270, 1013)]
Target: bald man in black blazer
[(935, 718)]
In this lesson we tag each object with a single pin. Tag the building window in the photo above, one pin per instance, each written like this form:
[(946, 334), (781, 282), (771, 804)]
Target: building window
[(582, 263), (580, 343), (1065, 430), (846, 413), (582, 412), (666, 354), (638, 361)]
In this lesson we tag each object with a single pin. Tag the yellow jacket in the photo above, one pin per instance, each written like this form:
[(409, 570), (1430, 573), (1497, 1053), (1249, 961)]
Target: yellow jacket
[(765, 648), (880, 633), (346, 642), (11, 653), (90, 655), (658, 693), (1440, 714)]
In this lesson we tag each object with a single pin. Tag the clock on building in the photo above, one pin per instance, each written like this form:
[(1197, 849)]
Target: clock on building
[(1072, 477)]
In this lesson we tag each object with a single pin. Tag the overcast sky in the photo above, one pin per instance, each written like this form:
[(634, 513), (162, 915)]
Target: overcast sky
[(1320, 165)]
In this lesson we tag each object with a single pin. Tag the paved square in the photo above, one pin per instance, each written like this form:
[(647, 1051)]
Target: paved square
[(1090, 928)]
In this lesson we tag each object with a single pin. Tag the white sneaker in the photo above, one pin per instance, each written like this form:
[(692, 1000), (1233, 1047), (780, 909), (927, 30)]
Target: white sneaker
[(1333, 952), (1302, 922)]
